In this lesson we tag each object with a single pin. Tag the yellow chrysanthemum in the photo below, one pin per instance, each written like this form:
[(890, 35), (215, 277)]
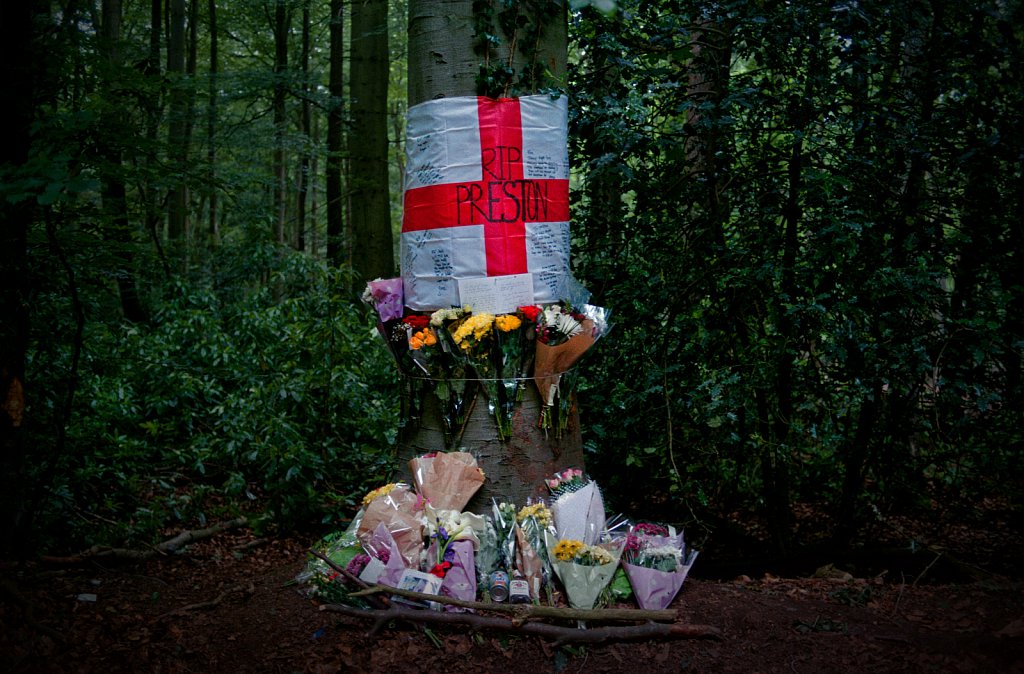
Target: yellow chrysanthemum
[(538, 511), (566, 550), (507, 322), (477, 325), (379, 491)]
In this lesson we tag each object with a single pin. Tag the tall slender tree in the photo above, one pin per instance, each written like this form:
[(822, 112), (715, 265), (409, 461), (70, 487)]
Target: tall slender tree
[(507, 50), (369, 196), (334, 169)]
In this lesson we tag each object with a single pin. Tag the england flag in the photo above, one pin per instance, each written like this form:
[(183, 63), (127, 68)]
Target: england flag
[(486, 195)]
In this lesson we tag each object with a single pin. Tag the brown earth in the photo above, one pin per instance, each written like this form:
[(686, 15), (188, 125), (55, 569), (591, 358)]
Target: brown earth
[(228, 605)]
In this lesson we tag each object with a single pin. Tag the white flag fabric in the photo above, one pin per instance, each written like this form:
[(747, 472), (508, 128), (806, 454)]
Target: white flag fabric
[(486, 194)]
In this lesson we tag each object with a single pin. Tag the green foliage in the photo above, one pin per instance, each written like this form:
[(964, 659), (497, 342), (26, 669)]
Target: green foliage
[(800, 250), (272, 399)]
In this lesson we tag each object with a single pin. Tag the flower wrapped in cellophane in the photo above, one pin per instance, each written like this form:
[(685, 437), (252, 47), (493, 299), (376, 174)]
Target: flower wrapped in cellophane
[(577, 506), (510, 336), (474, 335), (384, 564), (451, 556), (563, 336), (320, 578), (657, 561), (399, 509), (536, 523), (447, 480), (450, 377), (584, 570)]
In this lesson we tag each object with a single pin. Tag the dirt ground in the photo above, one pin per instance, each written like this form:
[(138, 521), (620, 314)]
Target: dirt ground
[(228, 605)]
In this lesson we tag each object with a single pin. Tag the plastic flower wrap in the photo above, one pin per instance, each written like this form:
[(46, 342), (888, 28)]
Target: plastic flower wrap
[(657, 562), (474, 335), (455, 537), (585, 570), (447, 479), (385, 564), (563, 336), (512, 338), (451, 382), (320, 578), (398, 509), (386, 296), (577, 506), (535, 521)]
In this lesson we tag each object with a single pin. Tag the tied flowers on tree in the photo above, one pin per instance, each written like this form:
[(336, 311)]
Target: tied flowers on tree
[(564, 335)]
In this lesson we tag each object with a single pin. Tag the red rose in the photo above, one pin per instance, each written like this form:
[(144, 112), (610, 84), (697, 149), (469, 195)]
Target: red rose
[(416, 321), (530, 312)]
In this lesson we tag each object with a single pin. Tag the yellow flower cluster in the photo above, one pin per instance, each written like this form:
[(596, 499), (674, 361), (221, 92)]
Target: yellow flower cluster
[(379, 491), (507, 322), (566, 550), (478, 326), (424, 337), (538, 511)]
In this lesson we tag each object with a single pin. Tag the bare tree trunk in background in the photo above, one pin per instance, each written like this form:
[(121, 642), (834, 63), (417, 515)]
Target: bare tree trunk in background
[(336, 137), (177, 125), (370, 196), (19, 65), (282, 22), (211, 128), (118, 228), (305, 122), (443, 63)]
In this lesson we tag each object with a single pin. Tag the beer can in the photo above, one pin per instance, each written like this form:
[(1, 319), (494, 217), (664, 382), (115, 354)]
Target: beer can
[(499, 586)]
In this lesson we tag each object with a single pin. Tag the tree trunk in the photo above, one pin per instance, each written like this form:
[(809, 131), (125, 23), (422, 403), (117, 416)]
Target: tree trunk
[(177, 128), (305, 122), (19, 65), (211, 128), (336, 137), (370, 197), (442, 63), (118, 229), (282, 21)]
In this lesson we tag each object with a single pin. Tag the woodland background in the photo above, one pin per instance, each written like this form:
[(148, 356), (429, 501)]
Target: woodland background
[(805, 218)]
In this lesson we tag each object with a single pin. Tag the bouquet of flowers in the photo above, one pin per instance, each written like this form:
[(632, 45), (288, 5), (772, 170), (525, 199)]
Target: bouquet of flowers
[(386, 296), (563, 336), (447, 479), (657, 562), (475, 336), (584, 569), (321, 579), (384, 564), (397, 508), (535, 523), (509, 334), (450, 384), (454, 538), (577, 506)]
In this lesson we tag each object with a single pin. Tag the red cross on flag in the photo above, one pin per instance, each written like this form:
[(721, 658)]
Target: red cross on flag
[(486, 195)]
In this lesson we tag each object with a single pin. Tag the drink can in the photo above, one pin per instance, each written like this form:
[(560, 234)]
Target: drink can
[(499, 585)]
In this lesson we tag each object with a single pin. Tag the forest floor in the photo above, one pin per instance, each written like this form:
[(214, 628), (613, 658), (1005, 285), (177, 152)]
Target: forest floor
[(228, 604)]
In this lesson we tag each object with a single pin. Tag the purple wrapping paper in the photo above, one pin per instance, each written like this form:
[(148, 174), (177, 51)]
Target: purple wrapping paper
[(460, 581), (655, 589), (388, 298), (382, 540)]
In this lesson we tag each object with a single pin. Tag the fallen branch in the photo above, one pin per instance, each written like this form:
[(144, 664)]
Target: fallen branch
[(168, 547), (526, 612), (209, 604), (379, 602), (559, 635)]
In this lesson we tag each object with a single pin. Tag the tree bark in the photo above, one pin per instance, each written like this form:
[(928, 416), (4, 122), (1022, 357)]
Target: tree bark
[(213, 231), (443, 63), (369, 195), (336, 137), (282, 23), (177, 129)]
